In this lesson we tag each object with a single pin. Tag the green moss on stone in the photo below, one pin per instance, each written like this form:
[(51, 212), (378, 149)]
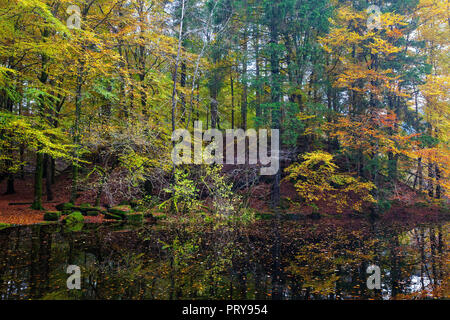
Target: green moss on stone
[(65, 206), (5, 226), (111, 216), (52, 216), (122, 211), (74, 218), (137, 217)]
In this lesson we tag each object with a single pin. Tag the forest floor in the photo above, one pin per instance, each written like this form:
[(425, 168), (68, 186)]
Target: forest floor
[(15, 208)]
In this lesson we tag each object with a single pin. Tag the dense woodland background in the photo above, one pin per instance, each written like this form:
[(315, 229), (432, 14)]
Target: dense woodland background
[(363, 112)]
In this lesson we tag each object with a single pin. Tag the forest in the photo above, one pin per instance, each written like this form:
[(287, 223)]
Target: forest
[(91, 92)]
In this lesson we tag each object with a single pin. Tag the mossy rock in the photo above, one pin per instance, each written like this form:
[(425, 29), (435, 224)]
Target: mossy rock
[(65, 207), (85, 207), (52, 216), (5, 226), (92, 213), (74, 218), (111, 216), (122, 210), (136, 217)]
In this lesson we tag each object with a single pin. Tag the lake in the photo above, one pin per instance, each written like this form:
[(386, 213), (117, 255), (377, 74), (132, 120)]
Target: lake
[(270, 259)]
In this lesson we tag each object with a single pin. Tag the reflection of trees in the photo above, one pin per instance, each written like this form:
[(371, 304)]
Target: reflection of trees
[(279, 260), (428, 262), (25, 255)]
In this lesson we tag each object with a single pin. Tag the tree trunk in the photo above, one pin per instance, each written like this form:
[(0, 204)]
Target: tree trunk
[(48, 178), (177, 62), (232, 98), (182, 95), (258, 78), (75, 171), (37, 204), (430, 177), (53, 169), (10, 185), (438, 186), (214, 105), (244, 83), (276, 91)]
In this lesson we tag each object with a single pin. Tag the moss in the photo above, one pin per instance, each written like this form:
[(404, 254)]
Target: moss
[(111, 216), (52, 216), (85, 207), (5, 226), (65, 207), (122, 210), (92, 213), (137, 217), (74, 218)]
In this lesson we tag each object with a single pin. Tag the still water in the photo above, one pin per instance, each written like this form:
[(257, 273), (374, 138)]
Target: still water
[(269, 260)]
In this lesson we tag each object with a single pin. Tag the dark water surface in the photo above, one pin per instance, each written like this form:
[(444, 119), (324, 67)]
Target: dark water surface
[(271, 260)]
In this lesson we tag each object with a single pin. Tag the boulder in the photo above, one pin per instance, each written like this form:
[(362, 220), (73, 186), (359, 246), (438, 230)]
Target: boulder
[(67, 206), (5, 226), (122, 210), (136, 217), (92, 213), (74, 218), (85, 207), (52, 216)]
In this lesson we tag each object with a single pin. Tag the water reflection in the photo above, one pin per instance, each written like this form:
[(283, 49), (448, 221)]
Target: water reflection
[(270, 260)]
